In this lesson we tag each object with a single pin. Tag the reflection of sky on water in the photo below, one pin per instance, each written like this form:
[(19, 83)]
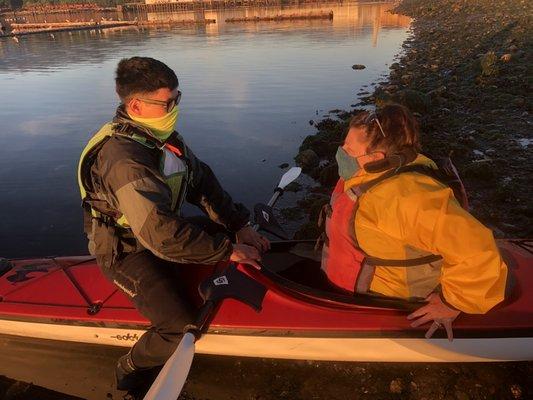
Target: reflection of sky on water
[(249, 92)]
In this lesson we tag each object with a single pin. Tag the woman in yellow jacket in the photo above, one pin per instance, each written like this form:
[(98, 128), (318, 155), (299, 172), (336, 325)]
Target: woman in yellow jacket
[(410, 218)]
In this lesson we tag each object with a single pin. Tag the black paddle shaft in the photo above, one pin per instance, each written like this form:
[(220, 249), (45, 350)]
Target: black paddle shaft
[(204, 313)]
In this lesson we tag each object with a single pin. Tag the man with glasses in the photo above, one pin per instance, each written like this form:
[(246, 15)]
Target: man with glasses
[(134, 175)]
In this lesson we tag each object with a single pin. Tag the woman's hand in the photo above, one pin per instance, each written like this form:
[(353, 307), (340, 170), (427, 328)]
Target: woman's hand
[(438, 312)]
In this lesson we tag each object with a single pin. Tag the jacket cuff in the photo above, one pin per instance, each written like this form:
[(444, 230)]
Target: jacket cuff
[(239, 219), (229, 251), (443, 299)]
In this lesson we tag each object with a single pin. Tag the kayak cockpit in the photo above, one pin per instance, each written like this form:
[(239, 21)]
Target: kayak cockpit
[(294, 266)]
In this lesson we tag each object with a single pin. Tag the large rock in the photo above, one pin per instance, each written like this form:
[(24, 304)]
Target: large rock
[(412, 99), (396, 386), (307, 231), (406, 79), (318, 143), (395, 66), (307, 159), (488, 64), (292, 213), (329, 175), (481, 171)]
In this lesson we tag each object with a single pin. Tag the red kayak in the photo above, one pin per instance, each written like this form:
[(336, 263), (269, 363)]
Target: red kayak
[(68, 299)]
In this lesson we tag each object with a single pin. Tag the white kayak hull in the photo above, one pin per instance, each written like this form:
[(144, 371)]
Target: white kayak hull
[(372, 349)]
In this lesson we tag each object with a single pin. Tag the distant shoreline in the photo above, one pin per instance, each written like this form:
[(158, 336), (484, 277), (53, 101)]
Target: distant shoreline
[(43, 9)]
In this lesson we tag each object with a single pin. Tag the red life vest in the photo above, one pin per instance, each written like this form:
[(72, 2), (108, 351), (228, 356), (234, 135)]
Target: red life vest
[(346, 265), (341, 256)]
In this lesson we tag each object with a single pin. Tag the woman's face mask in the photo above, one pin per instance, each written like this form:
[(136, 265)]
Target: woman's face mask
[(348, 165)]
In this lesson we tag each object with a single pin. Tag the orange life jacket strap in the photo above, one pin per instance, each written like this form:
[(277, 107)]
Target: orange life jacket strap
[(173, 149)]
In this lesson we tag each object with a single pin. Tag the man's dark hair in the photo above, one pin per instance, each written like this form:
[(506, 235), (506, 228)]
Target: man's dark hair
[(143, 75)]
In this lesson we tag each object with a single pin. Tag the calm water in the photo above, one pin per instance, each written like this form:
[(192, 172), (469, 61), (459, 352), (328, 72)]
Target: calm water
[(249, 90)]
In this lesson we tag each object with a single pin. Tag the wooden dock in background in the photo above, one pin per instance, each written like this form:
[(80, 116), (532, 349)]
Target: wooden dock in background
[(213, 4), (34, 28), (288, 17)]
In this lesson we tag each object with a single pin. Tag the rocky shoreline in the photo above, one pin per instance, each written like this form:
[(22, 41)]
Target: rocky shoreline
[(466, 74), (18, 390)]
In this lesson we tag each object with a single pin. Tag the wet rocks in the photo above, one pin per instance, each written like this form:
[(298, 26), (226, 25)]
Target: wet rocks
[(488, 63), (293, 187), (292, 213), (516, 391), (395, 66), (406, 79), (519, 101), (17, 390), (396, 386), (329, 175), (506, 57), (460, 395), (358, 66), (308, 230), (307, 159), (313, 204), (318, 143), (390, 88), (414, 100)]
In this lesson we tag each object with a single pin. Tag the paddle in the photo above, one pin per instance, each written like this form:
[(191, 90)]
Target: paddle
[(265, 220), (264, 216), (229, 283)]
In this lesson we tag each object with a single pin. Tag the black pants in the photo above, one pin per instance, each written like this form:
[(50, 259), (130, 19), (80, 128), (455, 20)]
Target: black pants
[(156, 289)]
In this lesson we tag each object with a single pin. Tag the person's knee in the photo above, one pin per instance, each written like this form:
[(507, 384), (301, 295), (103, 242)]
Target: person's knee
[(174, 323)]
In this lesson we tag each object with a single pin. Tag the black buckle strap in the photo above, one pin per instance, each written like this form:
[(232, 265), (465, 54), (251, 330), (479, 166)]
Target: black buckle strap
[(421, 169), (412, 262)]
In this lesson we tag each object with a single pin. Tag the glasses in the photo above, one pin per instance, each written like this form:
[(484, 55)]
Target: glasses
[(371, 117), (169, 104)]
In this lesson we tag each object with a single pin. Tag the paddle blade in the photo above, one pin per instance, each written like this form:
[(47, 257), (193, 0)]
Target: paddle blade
[(171, 379), (289, 177)]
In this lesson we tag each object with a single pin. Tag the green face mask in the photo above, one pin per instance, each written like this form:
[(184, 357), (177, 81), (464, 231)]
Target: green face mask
[(348, 165), (161, 127)]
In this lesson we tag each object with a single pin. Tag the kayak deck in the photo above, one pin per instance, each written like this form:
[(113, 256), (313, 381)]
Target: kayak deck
[(69, 299)]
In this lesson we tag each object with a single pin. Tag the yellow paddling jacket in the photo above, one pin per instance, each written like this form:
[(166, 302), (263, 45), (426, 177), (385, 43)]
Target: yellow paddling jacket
[(410, 215)]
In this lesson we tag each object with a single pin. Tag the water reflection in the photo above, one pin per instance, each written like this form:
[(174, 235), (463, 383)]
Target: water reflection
[(249, 90), (85, 46)]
